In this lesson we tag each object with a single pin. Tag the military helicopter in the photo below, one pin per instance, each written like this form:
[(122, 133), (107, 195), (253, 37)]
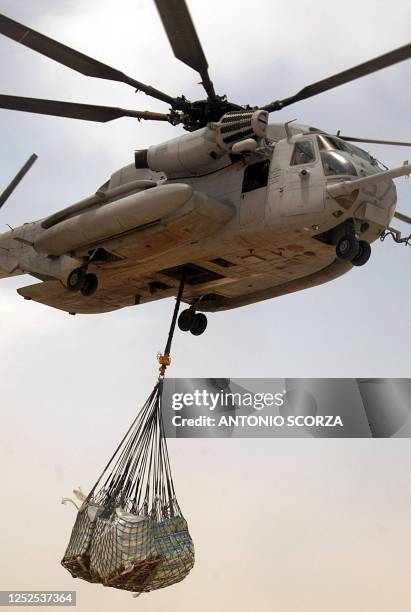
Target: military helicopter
[(237, 209)]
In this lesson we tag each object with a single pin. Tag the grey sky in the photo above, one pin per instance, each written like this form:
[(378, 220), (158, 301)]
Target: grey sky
[(325, 523)]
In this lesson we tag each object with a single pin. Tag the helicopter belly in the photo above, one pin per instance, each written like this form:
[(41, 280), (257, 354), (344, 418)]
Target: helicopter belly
[(224, 293), (239, 276), (318, 277)]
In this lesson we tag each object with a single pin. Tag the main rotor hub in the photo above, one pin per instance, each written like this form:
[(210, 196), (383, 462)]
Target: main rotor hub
[(200, 113)]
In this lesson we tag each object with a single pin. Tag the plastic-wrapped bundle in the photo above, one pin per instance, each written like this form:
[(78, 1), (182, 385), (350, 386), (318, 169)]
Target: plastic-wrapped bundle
[(130, 532), (123, 551), (174, 544), (77, 557)]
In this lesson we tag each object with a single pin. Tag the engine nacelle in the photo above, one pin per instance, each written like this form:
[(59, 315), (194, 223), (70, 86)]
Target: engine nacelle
[(206, 149)]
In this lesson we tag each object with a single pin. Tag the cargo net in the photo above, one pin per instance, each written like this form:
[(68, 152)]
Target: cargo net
[(130, 532)]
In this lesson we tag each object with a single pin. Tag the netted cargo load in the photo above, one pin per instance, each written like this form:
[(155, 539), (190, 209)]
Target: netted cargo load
[(129, 532)]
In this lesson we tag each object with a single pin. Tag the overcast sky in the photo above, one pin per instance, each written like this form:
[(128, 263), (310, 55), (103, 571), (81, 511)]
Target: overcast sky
[(325, 525)]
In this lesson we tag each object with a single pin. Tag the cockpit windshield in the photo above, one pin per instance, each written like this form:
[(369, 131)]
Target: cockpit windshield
[(328, 143), (333, 156), (336, 163)]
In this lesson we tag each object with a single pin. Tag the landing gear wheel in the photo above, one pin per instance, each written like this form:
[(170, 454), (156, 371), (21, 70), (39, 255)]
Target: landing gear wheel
[(200, 324), (76, 279), (186, 319), (347, 247), (363, 254), (90, 285)]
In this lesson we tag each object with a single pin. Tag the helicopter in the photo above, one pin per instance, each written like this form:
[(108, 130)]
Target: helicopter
[(237, 208)]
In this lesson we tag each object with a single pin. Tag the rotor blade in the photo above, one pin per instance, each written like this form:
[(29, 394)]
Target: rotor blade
[(74, 59), (88, 112), (184, 39), (373, 141), (402, 217), (19, 176), (378, 63)]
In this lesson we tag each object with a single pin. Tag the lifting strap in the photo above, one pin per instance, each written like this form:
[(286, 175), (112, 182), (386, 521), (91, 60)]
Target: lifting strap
[(165, 358)]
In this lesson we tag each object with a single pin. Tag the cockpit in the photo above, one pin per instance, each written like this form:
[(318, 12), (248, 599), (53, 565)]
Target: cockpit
[(339, 157)]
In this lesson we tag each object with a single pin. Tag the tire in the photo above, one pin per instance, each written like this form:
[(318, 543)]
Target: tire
[(347, 247), (186, 319), (363, 254), (200, 324), (76, 279), (90, 285)]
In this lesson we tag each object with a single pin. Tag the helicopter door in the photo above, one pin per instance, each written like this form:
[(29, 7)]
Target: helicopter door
[(304, 184), (254, 193)]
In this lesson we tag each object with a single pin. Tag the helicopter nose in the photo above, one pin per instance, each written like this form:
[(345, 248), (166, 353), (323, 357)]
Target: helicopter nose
[(372, 201)]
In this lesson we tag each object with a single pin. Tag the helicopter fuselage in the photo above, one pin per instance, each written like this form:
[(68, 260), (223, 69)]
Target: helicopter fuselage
[(262, 224)]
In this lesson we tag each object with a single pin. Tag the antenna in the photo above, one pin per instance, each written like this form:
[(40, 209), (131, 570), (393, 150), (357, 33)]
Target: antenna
[(287, 129)]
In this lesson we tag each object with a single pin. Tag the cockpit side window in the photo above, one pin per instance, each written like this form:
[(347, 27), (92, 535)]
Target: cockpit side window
[(303, 153)]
